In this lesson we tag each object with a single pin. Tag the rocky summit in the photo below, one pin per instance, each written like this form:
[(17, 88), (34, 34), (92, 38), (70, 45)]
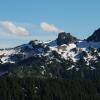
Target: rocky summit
[(64, 57), (95, 37)]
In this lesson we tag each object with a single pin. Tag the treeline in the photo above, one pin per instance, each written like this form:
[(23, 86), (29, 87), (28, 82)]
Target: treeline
[(30, 88)]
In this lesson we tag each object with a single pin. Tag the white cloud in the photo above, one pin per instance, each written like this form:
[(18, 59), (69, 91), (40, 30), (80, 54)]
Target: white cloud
[(11, 28), (49, 27)]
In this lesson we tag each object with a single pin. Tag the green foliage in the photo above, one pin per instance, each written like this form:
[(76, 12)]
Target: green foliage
[(56, 55), (48, 89), (17, 57)]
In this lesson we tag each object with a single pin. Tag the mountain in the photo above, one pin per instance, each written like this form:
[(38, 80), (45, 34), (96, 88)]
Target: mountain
[(65, 38), (64, 57), (95, 37)]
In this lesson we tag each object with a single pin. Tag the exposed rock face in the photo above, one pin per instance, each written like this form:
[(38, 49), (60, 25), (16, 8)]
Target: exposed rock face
[(95, 37), (64, 57), (65, 38)]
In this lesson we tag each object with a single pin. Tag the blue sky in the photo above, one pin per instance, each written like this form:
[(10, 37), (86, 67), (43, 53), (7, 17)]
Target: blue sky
[(24, 20)]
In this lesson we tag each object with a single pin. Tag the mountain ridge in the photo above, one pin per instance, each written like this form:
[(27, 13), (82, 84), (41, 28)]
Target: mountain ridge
[(55, 58), (95, 37), (36, 46)]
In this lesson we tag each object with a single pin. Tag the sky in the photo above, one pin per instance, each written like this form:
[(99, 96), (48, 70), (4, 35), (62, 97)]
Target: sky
[(25, 20)]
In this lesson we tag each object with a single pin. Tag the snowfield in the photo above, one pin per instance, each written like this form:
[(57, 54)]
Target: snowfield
[(71, 51)]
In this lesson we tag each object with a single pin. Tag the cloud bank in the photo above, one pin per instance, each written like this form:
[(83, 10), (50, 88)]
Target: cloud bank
[(11, 28), (50, 27)]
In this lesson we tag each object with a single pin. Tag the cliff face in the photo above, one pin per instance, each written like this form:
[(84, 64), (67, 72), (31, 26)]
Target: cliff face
[(65, 38), (95, 37)]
